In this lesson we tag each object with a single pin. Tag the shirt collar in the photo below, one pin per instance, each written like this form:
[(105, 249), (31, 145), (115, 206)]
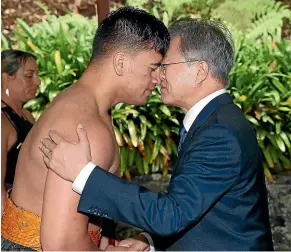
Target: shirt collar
[(192, 114)]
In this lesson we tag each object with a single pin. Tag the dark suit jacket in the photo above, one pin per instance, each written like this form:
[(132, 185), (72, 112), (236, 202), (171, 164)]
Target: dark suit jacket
[(216, 199)]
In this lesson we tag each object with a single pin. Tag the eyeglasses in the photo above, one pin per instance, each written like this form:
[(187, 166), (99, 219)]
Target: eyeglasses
[(163, 66)]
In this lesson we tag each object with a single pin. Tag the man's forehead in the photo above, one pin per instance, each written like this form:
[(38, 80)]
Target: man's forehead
[(149, 58), (174, 48), (155, 57), (175, 41), (171, 54)]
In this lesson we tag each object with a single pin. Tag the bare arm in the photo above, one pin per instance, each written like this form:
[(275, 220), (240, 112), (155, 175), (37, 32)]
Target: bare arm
[(103, 8), (62, 227), (4, 150)]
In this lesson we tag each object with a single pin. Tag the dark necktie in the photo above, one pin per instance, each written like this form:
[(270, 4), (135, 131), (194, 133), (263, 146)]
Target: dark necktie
[(183, 134)]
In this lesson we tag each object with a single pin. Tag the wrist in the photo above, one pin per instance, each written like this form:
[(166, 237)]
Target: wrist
[(81, 179), (78, 169)]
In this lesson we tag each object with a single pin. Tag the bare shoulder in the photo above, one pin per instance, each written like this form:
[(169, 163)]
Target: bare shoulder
[(98, 131), (6, 126), (70, 109), (101, 142)]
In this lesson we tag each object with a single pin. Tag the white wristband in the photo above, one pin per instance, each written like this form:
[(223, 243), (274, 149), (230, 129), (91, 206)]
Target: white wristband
[(81, 179)]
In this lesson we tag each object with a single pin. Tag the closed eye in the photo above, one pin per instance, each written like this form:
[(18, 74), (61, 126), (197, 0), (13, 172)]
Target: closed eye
[(155, 66)]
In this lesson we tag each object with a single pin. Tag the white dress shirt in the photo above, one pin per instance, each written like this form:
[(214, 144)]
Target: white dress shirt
[(192, 114), (189, 118)]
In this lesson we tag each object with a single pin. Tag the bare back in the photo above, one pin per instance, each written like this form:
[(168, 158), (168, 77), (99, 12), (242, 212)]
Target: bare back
[(42, 192)]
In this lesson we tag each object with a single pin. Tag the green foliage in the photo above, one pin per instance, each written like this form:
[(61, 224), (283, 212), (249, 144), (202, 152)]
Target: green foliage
[(261, 87), (258, 18), (62, 46), (137, 3), (170, 10), (148, 135)]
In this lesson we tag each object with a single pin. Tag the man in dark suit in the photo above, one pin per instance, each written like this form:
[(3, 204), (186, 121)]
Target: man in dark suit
[(217, 198)]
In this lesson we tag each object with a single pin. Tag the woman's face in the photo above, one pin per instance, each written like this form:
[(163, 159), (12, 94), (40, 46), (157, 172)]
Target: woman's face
[(25, 81)]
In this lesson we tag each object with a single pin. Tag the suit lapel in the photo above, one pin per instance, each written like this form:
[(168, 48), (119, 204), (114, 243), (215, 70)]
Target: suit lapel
[(206, 112)]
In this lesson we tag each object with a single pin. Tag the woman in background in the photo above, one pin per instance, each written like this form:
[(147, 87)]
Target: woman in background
[(19, 84)]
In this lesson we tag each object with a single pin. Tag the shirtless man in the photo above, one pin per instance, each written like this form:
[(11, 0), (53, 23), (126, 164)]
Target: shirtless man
[(127, 49)]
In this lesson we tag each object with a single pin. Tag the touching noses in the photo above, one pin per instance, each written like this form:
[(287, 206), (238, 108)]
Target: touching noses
[(157, 77), (161, 75)]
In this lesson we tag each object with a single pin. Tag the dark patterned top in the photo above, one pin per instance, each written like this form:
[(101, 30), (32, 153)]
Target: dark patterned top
[(22, 127)]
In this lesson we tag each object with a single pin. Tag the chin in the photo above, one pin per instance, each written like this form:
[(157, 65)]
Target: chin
[(139, 102), (27, 98), (165, 100), (30, 96), (142, 101)]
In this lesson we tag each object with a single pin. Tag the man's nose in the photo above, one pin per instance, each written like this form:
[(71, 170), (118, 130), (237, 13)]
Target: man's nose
[(161, 75), (156, 77)]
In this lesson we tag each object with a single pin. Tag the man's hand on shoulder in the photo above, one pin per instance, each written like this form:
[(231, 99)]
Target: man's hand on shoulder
[(66, 158)]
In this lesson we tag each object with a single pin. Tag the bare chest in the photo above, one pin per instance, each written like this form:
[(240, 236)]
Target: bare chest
[(114, 168)]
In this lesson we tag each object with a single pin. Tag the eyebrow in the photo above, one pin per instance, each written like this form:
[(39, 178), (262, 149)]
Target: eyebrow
[(30, 70)]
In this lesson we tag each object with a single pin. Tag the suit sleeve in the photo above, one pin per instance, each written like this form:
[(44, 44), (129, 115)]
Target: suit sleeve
[(209, 170)]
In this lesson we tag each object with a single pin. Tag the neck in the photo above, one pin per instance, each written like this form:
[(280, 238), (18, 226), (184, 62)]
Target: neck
[(200, 93), (100, 88), (16, 105)]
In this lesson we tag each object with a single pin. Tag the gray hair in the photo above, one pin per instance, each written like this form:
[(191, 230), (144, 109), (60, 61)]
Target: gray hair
[(13, 60), (206, 40)]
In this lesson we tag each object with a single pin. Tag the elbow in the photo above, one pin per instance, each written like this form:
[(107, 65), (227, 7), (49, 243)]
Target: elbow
[(167, 227), (164, 218), (167, 231), (56, 245), (64, 241), (53, 244), (54, 241)]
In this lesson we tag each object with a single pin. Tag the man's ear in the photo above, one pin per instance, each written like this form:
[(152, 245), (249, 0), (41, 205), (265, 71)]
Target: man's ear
[(203, 71), (118, 63)]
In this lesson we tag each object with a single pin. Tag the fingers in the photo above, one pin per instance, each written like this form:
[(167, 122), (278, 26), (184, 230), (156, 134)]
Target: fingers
[(56, 138), (126, 243), (46, 161), (82, 134), (138, 246), (135, 248), (46, 151), (109, 248), (48, 143), (112, 248)]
